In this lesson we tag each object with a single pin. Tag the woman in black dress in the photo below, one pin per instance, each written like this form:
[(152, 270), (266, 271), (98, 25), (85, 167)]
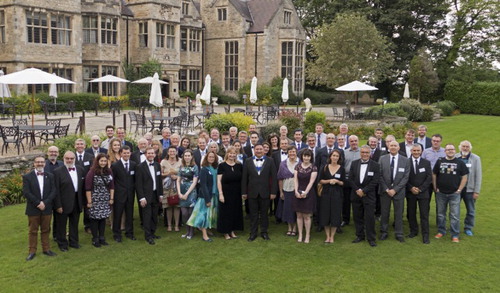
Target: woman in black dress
[(332, 178), (229, 184)]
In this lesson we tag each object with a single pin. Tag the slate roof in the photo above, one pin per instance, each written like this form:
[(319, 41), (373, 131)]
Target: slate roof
[(258, 12), (125, 10)]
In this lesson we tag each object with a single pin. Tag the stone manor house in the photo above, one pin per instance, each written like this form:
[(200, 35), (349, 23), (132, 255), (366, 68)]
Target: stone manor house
[(232, 40)]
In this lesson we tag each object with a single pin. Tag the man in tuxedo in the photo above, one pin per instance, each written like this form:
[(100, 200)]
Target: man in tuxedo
[(39, 191), (165, 140), (120, 134), (253, 128), (84, 160), (139, 155), (394, 170), (69, 182), (110, 133), (226, 143), (254, 140), (149, 189), (259, 185), (417, 191), (95, 148), (320, 136), (405, 146), (422, 139), (297, 135), (200, 152), (363, 179), (124, 178)]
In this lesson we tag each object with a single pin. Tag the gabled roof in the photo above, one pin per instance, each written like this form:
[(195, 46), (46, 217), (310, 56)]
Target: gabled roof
[(125, 11), (258, 12)]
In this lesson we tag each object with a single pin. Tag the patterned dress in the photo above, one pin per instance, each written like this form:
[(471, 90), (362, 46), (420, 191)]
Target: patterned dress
[(187, 175), (203, 216), (169, 184), (304, 205), (101, 184)]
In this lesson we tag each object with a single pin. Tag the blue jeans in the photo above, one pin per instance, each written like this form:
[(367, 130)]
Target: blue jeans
[(442, 201), (470, 205)]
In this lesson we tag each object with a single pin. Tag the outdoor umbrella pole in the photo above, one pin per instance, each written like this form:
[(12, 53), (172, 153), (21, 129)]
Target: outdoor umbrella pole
[(32, 105)]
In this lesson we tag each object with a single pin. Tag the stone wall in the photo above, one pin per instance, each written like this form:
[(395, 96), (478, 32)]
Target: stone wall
[(7, 165)]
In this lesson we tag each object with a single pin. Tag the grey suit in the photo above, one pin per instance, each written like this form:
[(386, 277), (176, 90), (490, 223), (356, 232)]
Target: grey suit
[(399, 185)]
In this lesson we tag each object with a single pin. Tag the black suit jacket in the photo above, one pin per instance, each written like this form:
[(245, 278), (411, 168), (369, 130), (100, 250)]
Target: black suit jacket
[(376, 155), (49, 167), (129, 144), (422, 179), (248, 150), (88, 159), (65, 192), (402, 149), (91, 150), (254, 184), (370, 180), (33, 195), (276, 156), (302, 145), (136, 157), (322, 156), (197, 157), (428, 142), (144, 182), (124, 182)]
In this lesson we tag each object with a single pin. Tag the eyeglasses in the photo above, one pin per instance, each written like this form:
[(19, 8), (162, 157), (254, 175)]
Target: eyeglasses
[(449, 150), (95, 140)]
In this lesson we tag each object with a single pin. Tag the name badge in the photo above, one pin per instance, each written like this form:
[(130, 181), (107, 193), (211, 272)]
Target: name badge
[(468, 165), (383, 149), (86, 163), (421, 170), (369, 174), (401, 169), (132, 172), (337, 176), (110, 177), (157, 173)]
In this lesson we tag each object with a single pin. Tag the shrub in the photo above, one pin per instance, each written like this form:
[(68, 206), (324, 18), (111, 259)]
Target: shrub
[(413, 108), (319, 98), (224, 121), (270, 128), (474, 98), (291, 119), (391, 109), (446, 107), (428, 113), (312, 118), (11, 189), (67, 143), (83, 101)]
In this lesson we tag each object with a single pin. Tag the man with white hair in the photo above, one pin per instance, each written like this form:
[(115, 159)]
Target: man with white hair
[(343, 129), (96, 148), (233, 133), (350, 155), (471, 193)]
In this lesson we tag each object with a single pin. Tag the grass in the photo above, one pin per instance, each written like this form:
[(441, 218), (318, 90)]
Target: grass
[(280, 265)]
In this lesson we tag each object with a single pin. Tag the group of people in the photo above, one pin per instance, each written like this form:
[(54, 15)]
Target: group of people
[(204, 188)]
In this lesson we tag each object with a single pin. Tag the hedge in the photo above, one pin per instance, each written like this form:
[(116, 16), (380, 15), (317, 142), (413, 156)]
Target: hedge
[(476, 98), (224, 121)]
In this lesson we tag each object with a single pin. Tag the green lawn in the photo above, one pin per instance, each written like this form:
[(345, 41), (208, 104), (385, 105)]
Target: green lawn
[(280, 265)]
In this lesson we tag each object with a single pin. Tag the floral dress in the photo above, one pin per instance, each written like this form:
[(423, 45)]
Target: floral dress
[(187, 175)]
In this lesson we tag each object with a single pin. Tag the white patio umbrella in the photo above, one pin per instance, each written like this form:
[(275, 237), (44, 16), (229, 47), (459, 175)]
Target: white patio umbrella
[(148, 80), (253, 90), (53, 92), (111, 79), (33, 76), (356, 86), (406, 93), (206, 93), (4, 89), (284, 93), (155, 97)]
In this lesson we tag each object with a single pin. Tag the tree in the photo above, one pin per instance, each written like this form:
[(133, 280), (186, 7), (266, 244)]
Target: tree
[(350, 48), (423, 80), (146, 69)]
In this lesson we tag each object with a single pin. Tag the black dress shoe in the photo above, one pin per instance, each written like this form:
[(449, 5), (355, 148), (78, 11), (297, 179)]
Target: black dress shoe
[(96, 244), (384, 236), (400, 239), (265, 236), (358, 240), (411, 235), (252, 237), (132, 237), (118, 239), (103, 242), (344, 223), (156, 237), (49, 253), (372, 243), (151, 241), (425, 239), (30, 256), (76, 246), (63, 249)]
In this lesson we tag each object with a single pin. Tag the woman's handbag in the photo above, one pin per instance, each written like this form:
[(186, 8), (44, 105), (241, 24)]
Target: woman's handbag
[(173, 200)]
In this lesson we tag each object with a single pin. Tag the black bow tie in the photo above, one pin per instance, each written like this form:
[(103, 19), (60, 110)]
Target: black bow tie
[(151, 164), (364, 163), (141, 153), (259, 160), (71, 169), (283, 153), (39, 173)]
